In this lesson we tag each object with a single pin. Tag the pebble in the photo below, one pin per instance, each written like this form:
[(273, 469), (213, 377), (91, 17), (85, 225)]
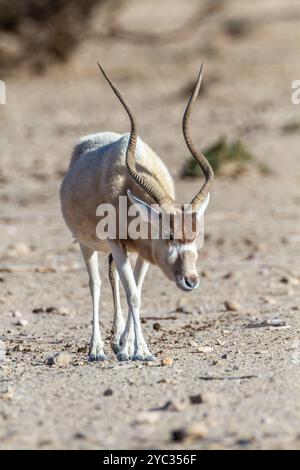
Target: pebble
[(174, 405), (108, 392), (19, 249), (190, 432), (17, 314), (196, 399), (156, 326), (145, 417), (21, 322), (232, 306), (205, 397), (205, 349), (61, 359), (167, 361)]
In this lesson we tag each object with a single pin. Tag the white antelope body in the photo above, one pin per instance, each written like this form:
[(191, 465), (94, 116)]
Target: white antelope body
[(103, 167)]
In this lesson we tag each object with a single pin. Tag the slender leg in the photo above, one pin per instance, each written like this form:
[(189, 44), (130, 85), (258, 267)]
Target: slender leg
[(133, 291), (119, 322), (96, 352), (140, 271)]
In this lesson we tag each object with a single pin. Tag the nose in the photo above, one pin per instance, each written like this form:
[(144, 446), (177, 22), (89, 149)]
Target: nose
[(191, 281)]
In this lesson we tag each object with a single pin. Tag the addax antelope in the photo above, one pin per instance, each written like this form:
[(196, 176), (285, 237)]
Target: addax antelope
[(103, 167)]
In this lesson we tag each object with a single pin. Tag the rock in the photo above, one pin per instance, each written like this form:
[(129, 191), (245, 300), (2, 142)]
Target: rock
[(174, 405), (61, 359), (167, 361), (38, 310), (17, 314), (63, 311), (277, 322), (51, 310), (108, 392), (289, 280), (21, 322), (19, 249), (192, 343), (196, 399), (148, 417), (232, 306), (191, 432), (156, 326), (204, 349)]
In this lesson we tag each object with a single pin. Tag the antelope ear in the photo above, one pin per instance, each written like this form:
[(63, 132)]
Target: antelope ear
[(148, 213), (203, 207)]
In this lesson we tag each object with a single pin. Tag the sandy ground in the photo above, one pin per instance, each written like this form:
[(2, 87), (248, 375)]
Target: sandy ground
[(249, 378)]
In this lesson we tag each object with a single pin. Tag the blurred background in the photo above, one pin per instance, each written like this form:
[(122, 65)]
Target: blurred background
[(246, 124)]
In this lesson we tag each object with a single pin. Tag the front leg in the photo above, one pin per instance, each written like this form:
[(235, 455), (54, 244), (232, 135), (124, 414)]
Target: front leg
[(96, 352), (133, 295)]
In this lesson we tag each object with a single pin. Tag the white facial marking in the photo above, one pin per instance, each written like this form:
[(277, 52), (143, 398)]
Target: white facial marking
[(178, 248)]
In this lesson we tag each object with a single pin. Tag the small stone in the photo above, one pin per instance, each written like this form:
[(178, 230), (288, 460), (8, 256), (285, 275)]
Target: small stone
[(149, 417), (277, 322), (269, 300), (17, 314), (204, 349), (51, 310), (192, 343), (192, 432), (108, 392), (19, 249), (63, 311), (229, 275), (61, 359), (196, 399), (232, 306), (167, 361), (156, 326), (224, 356), (21, 322), (174, 405), (38, 310)]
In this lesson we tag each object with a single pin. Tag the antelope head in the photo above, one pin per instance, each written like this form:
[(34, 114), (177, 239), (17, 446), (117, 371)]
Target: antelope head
[(174, 248)]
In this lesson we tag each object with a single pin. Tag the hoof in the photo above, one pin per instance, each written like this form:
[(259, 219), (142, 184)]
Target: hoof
[(97, 357), (150, 357), (138, 357), (122, 357)]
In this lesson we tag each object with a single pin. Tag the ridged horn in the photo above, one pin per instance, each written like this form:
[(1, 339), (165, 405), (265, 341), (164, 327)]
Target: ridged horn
[(200, 197), (144, 183)]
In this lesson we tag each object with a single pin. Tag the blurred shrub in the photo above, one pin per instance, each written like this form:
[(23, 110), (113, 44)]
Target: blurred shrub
[(220, 155), (39, 31)]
